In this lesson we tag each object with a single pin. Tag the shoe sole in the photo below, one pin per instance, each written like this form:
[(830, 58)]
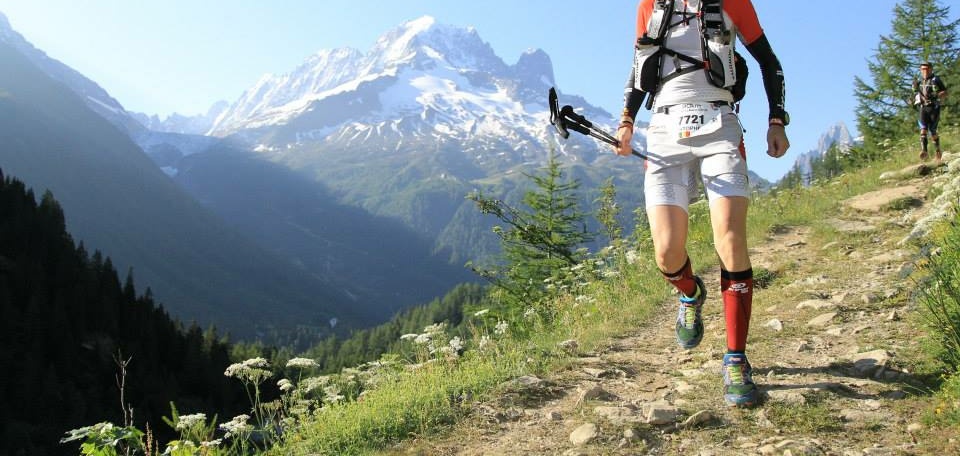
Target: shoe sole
[(692, 344), (740, 401)]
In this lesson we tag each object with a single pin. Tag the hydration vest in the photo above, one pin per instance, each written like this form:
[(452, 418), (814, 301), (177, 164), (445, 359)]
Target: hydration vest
[(927, 90), (723, 66)]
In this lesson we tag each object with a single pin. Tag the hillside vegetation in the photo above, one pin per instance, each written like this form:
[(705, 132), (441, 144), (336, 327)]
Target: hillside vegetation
[(854, 334)]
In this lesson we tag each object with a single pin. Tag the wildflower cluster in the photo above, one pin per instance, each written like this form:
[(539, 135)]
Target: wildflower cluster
[(238, 426), (250, 371)]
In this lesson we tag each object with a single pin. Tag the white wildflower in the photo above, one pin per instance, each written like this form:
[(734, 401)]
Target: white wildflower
[(632, 256), (186, 422), (448, 352), (285, 384), (237, 426), (234, 370), (529, 313), (212, 443), (422, 339), (333, 399), (456, 344), (576, 267), (610, 273), (333, 395), (309, 384), (481, 313), (408, 336), (350, 372), (501, 327), (253, 370), (302, 363), (484, 342), (259, 363), (436, 328)]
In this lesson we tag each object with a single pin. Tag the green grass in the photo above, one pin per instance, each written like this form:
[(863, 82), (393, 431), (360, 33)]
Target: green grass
[(431, 399), (814, 417)]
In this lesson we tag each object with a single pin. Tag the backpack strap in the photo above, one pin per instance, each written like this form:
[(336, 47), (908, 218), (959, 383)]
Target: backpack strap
[(711, 15)]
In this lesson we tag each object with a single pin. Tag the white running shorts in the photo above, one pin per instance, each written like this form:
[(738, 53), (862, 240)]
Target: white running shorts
[(677, 163)]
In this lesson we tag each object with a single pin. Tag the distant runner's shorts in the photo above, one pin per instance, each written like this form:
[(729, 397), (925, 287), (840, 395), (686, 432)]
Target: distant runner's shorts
[(929, 118), (676, 165)]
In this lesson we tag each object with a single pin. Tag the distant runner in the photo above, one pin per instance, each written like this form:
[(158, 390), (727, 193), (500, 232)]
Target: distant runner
[(930, 91), (685, 63)]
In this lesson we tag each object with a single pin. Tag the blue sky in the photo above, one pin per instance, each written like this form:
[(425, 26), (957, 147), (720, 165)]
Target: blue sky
[(160, 57)]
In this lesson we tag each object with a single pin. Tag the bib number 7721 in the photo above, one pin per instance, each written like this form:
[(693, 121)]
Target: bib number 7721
[(691, 120), (695, 119)]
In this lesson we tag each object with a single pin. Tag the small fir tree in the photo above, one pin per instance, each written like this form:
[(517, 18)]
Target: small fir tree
[(539, 242)]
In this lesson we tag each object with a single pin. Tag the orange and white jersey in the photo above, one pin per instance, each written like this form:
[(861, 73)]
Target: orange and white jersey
[(684, 38)]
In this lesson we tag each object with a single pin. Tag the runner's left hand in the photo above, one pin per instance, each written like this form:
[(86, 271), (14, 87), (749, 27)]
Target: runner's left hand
[(777, 142)]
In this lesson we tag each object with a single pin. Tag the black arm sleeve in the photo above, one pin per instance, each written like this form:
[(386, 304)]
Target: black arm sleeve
[(632, 97), (772, 75)]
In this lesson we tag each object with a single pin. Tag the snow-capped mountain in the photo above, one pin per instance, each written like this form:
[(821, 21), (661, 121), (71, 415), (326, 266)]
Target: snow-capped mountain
[(223, 238), (178, 123), (420, 80), (411, 126), (835, 135)]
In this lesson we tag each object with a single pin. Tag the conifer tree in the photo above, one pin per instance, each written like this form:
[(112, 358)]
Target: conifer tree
[(538, 242), (921, 31)]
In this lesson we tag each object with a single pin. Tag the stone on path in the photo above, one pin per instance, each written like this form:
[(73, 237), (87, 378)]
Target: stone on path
[(617, 415), (868, 363), (787, 396), (816, 304), (775, 325), (658, 413), (822, 320), (703, 416), (584, 434), (591, 392)]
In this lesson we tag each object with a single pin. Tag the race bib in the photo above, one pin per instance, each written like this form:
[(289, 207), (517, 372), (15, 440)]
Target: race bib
[(694, 119)]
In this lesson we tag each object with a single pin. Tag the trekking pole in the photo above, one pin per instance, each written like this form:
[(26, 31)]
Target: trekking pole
[(564, 120)]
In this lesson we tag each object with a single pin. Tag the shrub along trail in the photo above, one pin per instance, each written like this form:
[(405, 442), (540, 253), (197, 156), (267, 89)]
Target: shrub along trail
[(835, 344)]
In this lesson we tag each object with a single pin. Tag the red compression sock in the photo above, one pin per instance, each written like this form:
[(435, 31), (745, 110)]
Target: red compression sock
[(683, 279), (737, 290)]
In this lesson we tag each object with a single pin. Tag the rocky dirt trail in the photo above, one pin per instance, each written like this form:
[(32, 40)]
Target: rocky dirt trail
[(831, 342)]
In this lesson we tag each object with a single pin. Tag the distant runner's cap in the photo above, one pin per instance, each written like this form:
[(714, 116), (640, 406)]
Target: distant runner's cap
[(926, 64)]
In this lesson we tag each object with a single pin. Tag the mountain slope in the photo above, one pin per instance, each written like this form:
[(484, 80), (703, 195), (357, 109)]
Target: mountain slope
[(363, 258), (65, 315), (115, 199), (380, 263), (408, 128)]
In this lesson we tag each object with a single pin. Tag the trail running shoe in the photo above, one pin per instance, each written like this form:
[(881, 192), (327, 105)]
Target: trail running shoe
[(689, 321), (738, 387)]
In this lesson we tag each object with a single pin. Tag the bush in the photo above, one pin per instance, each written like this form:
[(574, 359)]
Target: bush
[(940, 297)]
